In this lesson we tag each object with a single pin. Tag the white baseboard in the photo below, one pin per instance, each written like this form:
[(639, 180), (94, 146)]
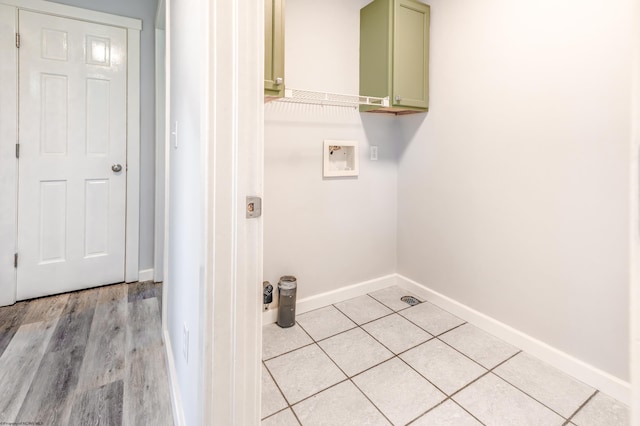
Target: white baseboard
[(176, 400), (145, 275), (587, 373), (321, 300)]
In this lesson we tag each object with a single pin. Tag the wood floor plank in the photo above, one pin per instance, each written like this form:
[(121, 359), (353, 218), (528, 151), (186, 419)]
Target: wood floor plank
[(13, 312), (141, 290), (80, 301), (146, 390), (112, 293), (51, 394), (104, 359), (19, 364), (100, 406), (71, 331), (46, 308), (100, 362), (10, 320), (74, 324), (146, 386), (143, 325)]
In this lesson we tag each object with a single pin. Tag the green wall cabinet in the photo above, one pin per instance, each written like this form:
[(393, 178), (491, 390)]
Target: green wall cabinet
[(394, 55), (273, 49)]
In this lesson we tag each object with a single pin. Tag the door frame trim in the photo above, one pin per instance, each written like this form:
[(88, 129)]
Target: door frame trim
[(133, 27), (231, 323), (8, 161), (132, 235), (634, 224), (160, 142), (65, 11)]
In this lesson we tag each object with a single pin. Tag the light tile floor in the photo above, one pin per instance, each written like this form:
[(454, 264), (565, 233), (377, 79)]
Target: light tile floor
[(374, 360)]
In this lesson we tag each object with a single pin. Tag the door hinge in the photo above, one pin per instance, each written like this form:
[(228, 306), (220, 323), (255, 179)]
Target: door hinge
[(18, 40), (15, 260), (17, 150)]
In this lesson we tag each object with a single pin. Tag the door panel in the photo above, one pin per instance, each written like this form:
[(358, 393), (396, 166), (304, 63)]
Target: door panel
[(98, 117), (97, 218), (53, 110), (72, 124), (274, 48), (53, 221), (411, 54)]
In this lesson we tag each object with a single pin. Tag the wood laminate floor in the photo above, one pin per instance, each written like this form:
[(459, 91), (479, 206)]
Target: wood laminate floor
[(92, 357)]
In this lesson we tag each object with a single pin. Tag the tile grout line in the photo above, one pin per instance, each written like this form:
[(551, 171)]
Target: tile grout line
[(398, 310), (288, 352), (460, 352), (395, 356), (570, 418), (467, 411), (374, 366), (450, 397), (369, 399), (526, 393), (330, 359), (447, 397), (366, 322), (277, 387), (347, 376), (276, 413), (398, 355), (491, 370)]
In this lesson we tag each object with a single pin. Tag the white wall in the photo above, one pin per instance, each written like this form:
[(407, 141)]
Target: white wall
[(513, 190), (186, 234), (146, 11), (328, 232), (635, 228)]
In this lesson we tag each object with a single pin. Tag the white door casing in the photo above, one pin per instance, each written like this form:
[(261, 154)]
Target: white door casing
[(73, 128), (8, 161)]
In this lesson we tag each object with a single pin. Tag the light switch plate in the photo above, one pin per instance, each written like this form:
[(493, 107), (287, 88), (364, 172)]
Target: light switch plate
[(374, 153)]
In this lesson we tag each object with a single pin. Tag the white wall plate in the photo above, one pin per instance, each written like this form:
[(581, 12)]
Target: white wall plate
[(340, 158)]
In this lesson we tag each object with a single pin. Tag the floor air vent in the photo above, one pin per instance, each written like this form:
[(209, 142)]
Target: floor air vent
[(410, 300)]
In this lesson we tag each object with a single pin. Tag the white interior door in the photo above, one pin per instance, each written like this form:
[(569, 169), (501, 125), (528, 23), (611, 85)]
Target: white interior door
[(72, 133)]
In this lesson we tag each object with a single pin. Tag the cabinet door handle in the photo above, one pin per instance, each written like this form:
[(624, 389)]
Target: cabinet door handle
[(278, 81), (398, 98)]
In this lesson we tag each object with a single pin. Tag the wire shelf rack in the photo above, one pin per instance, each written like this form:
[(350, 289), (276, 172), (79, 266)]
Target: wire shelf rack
[(332, 99)]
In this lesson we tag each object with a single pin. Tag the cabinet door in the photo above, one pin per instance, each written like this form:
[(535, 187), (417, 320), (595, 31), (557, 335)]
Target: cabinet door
[(274, 48), (411, 54)]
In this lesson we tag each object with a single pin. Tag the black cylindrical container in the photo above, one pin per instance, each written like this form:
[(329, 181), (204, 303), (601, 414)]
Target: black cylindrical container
[(287, 288)]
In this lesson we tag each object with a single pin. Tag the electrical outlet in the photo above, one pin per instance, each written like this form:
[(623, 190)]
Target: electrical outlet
[(185, 342), (374, 153)]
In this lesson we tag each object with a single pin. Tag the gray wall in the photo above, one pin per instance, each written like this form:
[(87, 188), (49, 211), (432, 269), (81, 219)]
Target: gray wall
[(331, 232), (146, 11), (187, 177), (514, 189)]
